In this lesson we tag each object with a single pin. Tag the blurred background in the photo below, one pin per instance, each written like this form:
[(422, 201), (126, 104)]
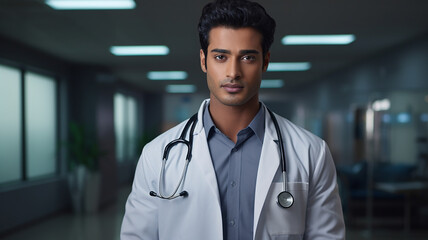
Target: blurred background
[(76, 107)]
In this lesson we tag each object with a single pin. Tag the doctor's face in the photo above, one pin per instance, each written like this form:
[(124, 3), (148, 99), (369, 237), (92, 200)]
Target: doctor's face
[(234, 65)]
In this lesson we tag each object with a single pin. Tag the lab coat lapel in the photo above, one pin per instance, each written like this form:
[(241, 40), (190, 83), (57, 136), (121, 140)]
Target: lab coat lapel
[(202, 158), (201, 154), (268, 166)]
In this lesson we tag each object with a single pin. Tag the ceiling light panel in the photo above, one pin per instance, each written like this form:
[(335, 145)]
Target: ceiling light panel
[(181, 88), (167, 75), (272, 83), (288, 66), (90, 4), (139, 50), (338, 39)]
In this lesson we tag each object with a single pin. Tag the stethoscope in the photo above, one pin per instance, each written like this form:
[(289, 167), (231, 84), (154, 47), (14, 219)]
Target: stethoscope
[(284, 199)]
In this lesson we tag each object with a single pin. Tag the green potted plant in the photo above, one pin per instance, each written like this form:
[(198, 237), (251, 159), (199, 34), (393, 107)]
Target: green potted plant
[(83, 176)]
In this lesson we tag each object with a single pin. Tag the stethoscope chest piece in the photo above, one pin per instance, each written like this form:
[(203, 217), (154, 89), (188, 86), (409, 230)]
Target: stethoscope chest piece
[(285, 199)]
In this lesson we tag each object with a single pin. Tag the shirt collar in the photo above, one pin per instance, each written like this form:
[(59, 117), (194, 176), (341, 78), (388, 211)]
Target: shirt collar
[(257, 124), (207, 121)]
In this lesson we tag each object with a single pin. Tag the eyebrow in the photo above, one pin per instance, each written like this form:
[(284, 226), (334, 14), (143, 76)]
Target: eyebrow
[(249, 51), (217, 50)]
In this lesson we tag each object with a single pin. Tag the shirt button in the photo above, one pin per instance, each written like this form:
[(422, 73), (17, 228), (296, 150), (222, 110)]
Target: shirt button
[(233, 183), (232, 223), (234, 149)]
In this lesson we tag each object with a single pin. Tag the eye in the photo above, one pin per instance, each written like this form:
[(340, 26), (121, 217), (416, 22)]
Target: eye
[(249, 58), (220, 57)]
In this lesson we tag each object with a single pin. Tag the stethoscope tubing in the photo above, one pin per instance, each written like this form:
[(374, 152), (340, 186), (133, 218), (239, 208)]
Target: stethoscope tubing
[(183, 175), (284, 199), (281, 151), (189, 143)]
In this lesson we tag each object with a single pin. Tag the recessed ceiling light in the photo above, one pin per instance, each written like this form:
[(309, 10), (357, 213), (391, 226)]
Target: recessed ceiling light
[(288, 66), (139, 50), (338, 39), (272, 83), (90, 4), (181, 88), (167, 75)]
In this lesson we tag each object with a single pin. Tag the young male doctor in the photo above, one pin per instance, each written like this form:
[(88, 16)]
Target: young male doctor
[(229, 190)]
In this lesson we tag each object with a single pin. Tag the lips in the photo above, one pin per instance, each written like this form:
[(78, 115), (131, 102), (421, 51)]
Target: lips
[(232, 87)]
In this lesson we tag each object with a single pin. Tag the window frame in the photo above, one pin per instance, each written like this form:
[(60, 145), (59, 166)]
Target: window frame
[(24, 179)]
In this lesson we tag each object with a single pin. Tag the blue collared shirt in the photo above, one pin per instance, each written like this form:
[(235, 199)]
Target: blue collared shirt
[(236, 168)]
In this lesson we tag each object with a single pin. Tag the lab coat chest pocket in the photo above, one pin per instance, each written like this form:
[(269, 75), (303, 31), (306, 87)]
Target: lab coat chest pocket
[(285, 223)]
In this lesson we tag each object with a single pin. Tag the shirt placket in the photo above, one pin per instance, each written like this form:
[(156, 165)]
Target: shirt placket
[(233, 193)]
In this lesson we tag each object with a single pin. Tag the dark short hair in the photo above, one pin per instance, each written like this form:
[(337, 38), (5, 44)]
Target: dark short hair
[(236, 14)]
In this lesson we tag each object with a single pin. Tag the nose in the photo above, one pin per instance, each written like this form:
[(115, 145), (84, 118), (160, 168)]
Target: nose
[(234, 70)]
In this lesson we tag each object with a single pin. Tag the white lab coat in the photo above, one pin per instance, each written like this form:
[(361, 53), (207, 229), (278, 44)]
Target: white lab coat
[(315, 214)]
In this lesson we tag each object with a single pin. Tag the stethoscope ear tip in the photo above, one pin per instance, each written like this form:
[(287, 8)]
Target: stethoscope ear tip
[(184, 194), (153, 194)]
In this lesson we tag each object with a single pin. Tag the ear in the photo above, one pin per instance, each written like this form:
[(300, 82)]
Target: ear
[(266, 61), (202, 57)]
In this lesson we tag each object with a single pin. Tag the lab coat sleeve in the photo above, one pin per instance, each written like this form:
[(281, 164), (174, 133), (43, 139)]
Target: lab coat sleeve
[(324, 218), (141, 214)]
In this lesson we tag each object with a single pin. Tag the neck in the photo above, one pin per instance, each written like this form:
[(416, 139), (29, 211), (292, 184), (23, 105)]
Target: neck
[(232, 119)]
